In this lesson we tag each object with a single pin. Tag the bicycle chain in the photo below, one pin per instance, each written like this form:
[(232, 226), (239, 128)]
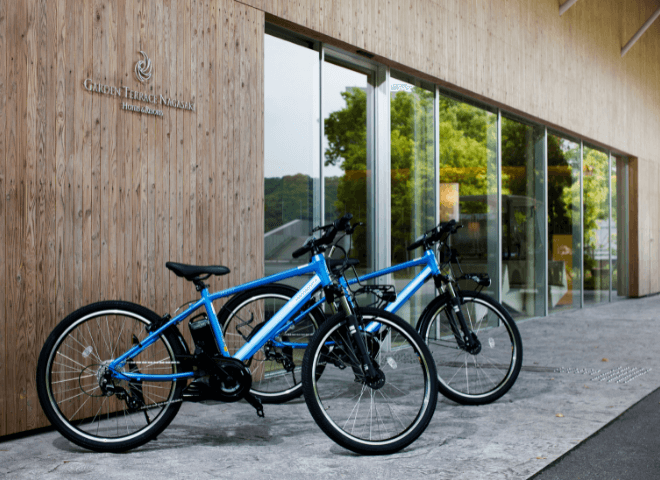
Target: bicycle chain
[(159, 404)]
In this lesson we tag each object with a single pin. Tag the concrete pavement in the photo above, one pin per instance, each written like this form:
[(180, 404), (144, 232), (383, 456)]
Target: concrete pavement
[(581, 370)]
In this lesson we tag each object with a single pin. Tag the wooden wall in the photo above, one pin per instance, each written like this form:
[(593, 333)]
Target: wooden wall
[(93, 199), (566, 72)]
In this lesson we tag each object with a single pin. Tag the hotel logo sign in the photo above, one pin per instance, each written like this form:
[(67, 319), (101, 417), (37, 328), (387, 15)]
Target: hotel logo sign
[(143, 68), (142, 73)]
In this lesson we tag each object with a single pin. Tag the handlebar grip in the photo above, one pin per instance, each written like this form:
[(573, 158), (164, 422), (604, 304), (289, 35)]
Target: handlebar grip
[(344, 222), (447, 226), (300, 252)]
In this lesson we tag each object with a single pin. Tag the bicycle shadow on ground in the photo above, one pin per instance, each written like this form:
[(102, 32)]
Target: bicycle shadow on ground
[(177, 436)]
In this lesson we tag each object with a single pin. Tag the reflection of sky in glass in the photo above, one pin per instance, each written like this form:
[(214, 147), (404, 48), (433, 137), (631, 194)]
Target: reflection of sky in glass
[(291, 114), (291, 90)]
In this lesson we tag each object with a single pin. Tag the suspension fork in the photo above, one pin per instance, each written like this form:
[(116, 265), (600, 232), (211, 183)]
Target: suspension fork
[(465, 337), (371, 372)]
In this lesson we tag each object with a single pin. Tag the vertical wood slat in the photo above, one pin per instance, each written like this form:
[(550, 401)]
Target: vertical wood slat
[(173, 148), (3, 191), (161, 173), (136, 184), (122, 142), (113, 144), (228, 105), (143, 169), (191, 69), (212, 129), (9, 205), (28, 252), (238, 138), (9, 158), (101, 17), (35, 333), (180, 144), (22, 248), (153, 129)]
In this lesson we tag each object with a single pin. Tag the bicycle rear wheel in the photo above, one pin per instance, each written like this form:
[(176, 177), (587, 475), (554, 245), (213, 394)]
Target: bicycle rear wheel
[(483, 376), (70, 378), (276, 369), (361, 416)]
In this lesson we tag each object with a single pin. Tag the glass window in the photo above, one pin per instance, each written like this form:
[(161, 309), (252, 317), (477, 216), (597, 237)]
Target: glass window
[(345, 170), (564, 224), (412, 172), (523, 219), (468, 184), (291, 141), (595, 171)]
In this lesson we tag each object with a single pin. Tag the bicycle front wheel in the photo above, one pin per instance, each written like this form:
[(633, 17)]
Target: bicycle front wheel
[(276, 367), (83, 402), (485, 374), (365, 416)]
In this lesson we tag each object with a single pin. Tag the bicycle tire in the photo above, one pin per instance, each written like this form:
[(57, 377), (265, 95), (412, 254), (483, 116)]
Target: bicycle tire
[(397, 412), (69, 373), (473, 379), (271, 381)]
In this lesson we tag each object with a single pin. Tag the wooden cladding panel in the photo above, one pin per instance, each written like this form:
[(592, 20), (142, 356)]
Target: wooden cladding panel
[(93, 199)]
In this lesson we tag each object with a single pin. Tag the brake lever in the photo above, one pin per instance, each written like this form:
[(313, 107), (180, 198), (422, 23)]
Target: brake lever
[(352, 228), (322, 227)]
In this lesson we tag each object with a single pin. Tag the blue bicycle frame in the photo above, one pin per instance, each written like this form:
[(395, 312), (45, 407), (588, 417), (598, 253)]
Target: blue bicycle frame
[(280, 322), (431, 268)]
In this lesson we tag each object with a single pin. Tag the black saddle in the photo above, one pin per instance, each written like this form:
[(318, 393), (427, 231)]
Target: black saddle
[(195, 272)]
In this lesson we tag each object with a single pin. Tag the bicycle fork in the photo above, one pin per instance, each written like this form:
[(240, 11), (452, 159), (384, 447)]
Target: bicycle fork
[(373, 375), (466, 339)]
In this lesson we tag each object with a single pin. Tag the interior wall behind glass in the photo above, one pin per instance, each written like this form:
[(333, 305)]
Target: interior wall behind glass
[(564, 242), (523, 219), (468, 185), (412, 183), (291, 141), (595, 166)]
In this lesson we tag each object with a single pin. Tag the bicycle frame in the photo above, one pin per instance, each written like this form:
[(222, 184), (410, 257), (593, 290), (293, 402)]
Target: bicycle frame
[(280, 321), (430, 269)]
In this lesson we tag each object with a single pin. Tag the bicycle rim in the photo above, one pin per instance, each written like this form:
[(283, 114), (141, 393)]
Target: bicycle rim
[(76, 363)]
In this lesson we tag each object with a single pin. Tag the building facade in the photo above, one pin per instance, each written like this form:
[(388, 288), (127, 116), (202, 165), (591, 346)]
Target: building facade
[(217, 132)]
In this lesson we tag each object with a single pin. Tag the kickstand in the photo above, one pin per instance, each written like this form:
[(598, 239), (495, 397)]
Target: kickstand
[(256, 403)]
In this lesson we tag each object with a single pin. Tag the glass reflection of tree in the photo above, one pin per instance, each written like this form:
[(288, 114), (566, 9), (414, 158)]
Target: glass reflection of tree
[(286, 199), (346, 132), (412, 165), (595, 166), (465, 133)]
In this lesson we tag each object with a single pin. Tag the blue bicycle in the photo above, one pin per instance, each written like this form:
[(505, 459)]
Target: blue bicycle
[(112, 375), (475, 343)]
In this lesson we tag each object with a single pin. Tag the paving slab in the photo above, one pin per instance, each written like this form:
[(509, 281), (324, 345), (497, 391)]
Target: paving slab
[(581, 369)]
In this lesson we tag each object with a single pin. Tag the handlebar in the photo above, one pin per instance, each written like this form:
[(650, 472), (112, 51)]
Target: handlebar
[(329, 233), (435, 234)]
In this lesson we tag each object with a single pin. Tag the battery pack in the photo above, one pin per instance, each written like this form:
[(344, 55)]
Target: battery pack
[(202, 334)]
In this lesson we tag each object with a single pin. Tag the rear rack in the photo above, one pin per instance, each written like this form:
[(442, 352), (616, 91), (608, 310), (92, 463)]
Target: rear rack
[(384, 294)]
